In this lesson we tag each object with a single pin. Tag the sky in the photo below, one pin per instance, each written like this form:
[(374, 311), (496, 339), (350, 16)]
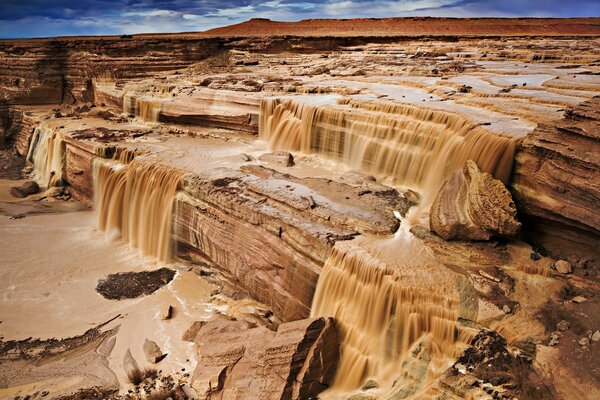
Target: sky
[(44, 18)]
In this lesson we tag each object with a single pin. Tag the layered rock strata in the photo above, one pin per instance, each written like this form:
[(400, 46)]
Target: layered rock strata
[(556, 185), (236, 361), (282, 227)]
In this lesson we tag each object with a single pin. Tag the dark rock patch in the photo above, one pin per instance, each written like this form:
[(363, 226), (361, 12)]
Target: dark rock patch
[(129, 285), (11, 164), (26, 189)]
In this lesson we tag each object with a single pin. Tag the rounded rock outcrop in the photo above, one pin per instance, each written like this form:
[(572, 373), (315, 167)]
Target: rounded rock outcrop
[(472, 205)]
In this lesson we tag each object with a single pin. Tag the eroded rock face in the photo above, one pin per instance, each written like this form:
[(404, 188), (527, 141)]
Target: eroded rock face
[(474, 206), (298, 361), (260, 226), (556, 182)]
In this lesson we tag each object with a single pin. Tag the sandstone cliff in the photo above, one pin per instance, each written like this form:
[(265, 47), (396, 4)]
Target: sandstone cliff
[(556, 182)]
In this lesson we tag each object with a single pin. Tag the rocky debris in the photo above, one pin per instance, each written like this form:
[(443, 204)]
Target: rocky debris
[(584, 341), (129, 285), (278, 157), (412, 197), (152, 352), (596, 336), (489, 366), (11, 163), (189, 392), (563, 267), (578, 299), (563, 325), (245, 157), (554, 338), (94, 393), (473, 205), (26, 189), (297, 361)]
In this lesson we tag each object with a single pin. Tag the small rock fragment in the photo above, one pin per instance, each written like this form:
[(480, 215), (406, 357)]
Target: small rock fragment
[(167, 312), (578, 299), (153, 353), (584, 341), (596, 336), (412, 197), (488, 276), (278, 157), (189, 392), (563, 267), (370, 384), (535, 256), (506, 309), (563, 325)]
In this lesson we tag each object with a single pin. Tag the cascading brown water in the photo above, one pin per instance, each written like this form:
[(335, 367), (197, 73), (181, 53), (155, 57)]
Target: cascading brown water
[(388, 298), (135, 199), (46, 152), (147, 109), (409, 144)]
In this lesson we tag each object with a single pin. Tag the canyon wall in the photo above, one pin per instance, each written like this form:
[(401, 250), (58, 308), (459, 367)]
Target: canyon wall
[(65, 70), (556, 183), (250, 158)]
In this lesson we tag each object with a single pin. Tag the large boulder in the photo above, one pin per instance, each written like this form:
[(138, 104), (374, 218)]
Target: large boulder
[(473, 205), (238, 361)]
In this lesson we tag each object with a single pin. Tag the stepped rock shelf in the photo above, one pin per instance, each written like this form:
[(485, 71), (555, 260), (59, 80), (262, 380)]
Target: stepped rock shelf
[(348, 215)]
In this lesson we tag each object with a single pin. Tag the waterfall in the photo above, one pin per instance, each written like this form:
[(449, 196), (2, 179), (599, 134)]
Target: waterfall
[(408, 144), (134, 198), (47, 152), (147, 109), (389, 300)]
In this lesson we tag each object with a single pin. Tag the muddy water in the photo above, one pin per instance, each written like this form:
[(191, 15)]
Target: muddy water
[(136, 200), (49, 268), (396, 311)]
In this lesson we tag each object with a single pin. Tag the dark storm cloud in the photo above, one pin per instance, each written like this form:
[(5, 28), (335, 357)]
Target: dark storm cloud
[(539, 8), (28, 18)]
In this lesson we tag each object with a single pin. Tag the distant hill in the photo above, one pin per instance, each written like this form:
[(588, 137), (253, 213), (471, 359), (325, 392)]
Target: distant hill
[(414, 26)]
